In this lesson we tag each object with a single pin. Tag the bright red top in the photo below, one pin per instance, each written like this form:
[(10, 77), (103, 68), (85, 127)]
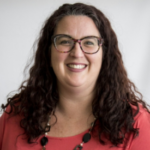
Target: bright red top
[(10, 129)]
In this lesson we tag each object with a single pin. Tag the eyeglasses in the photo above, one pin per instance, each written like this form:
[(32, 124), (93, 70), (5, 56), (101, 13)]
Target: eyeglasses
[(89, 45)]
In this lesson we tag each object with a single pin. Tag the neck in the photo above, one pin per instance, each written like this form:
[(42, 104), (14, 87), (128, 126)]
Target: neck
[(76, 104)]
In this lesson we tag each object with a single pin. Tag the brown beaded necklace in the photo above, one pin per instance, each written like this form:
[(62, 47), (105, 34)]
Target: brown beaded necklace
[(85, 138)]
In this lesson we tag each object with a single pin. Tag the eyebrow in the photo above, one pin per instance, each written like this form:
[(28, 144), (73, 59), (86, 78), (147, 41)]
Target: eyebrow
[(80, 38)]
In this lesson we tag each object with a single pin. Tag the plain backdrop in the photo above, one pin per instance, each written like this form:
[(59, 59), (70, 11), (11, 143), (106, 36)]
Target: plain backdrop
[(21, 21)]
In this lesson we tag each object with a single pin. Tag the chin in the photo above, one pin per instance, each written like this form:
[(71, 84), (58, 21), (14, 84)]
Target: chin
[(75, 83)]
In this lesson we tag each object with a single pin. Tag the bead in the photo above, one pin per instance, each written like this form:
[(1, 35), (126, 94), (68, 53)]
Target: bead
[(92, 124), (43, 148), (44, 141), (86, 137), (78, 147), (81, 144), (49, 119)]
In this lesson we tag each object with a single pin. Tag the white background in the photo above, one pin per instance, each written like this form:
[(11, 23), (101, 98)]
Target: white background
[(21, 21)]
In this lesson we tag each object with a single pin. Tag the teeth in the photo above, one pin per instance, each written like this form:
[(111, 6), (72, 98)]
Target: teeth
[(77, 66)]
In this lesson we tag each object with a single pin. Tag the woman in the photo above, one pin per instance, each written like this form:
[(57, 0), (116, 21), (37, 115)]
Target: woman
[(78, 95)]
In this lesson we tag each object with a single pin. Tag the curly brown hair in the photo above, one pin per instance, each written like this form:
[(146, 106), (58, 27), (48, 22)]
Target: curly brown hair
[(38, 95)]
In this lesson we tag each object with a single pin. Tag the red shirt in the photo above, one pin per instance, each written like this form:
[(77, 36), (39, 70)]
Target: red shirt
[(10, 129)]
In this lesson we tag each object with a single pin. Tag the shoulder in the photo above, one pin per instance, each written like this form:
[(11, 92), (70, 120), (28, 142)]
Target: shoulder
[(142, 123), (142, 118), (5, 115), (9, 129), (8, 120)]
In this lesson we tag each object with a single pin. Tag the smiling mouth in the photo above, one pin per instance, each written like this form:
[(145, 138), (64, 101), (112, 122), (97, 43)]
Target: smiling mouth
[(73, 66)]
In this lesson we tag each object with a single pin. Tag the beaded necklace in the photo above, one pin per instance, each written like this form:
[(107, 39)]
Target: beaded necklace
[(85, 138)]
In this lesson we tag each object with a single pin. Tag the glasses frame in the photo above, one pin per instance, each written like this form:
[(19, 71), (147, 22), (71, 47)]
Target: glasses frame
[(101, 41)]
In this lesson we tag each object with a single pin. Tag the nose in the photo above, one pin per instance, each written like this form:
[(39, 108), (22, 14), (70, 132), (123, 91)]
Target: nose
[(76, 51)]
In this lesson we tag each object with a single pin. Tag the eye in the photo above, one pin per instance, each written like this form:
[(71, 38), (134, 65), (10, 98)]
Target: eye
[(89, 43), (65, 42)]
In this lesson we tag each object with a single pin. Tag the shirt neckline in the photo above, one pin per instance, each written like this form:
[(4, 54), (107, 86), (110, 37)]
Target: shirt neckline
[(68, 137)]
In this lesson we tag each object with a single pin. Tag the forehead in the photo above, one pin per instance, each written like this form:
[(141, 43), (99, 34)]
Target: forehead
[(77, 26)]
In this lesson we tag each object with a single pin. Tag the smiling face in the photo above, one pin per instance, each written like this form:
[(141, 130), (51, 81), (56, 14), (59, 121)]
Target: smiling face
[(76, 69)]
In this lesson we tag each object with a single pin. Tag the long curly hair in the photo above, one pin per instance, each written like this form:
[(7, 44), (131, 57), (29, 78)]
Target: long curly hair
[(115, 93)]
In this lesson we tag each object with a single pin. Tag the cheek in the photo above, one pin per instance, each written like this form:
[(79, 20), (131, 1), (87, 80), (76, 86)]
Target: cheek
[(57, 58), (96, 60)]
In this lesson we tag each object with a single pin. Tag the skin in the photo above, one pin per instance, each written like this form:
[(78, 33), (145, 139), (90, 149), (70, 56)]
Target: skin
[(76, 89)]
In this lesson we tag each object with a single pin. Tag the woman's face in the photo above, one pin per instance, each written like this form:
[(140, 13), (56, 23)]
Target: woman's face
[(77, 27)]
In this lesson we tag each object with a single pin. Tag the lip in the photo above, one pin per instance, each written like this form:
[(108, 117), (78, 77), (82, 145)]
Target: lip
[(76, 70), (76, 64)]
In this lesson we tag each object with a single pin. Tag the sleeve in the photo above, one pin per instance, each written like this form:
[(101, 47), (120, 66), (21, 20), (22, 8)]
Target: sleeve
[(2, 127), (142, 141)]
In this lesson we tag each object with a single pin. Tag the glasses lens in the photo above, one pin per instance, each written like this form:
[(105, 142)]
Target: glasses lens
[(63, 43), (90, 44)]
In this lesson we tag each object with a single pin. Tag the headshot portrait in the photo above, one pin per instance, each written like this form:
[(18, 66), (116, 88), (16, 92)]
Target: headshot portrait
[(75, 75)]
